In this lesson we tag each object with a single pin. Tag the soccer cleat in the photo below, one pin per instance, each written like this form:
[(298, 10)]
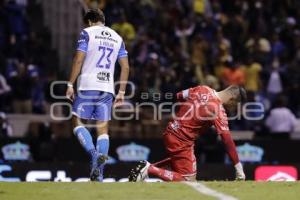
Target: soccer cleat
[(139, 173), (101, 159), (96, 163), (95, 173)]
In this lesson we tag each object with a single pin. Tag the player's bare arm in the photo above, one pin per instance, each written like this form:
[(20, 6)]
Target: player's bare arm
[(76, 68), (123, 80)]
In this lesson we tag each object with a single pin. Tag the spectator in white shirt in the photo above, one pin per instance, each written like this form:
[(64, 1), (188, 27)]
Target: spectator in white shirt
[(281, 121), (4, 92), (5, 127)]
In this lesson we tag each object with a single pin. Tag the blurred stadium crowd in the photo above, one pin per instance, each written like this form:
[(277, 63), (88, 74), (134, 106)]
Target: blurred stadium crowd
[(27, 62), (173, 45)]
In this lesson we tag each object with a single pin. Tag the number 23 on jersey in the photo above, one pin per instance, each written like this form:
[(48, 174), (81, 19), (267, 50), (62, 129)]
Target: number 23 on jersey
[(105, 54)]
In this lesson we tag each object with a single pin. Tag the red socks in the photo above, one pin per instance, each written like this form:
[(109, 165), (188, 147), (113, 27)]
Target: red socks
[(165, 175)]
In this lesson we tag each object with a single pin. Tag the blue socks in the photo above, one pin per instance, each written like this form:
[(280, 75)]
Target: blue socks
[(102, 148), (85, 140), (103, 144)]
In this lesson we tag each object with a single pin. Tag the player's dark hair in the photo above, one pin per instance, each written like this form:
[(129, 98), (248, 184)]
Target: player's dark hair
[(238, 92), (94, 16), (243, 94)]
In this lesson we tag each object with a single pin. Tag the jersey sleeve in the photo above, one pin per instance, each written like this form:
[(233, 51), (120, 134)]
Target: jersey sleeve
[(122, 52), (83, 41), (182, 95), (189, 93), (221, 122), (230, 148)]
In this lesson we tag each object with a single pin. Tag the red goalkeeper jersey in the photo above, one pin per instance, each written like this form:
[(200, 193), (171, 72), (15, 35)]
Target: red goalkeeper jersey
[(199, 109)]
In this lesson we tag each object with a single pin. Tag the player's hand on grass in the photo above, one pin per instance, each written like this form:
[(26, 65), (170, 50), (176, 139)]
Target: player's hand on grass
[(119, 101), (70, 92), (240, 176), (239, 172)]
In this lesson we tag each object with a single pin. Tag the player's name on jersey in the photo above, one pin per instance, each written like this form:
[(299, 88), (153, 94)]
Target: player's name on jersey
[(106, 44)]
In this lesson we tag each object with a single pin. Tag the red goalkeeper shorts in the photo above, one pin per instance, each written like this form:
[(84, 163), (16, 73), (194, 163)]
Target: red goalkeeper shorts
[(182, 155)]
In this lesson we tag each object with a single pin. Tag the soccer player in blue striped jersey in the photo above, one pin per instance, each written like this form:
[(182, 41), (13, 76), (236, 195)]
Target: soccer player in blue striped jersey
[(98, 49)]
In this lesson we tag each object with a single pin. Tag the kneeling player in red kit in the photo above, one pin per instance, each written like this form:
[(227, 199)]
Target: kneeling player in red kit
[(199, 108)]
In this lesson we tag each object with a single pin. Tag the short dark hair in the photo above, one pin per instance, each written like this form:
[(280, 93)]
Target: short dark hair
[(94, 15), (243, 94), (238, 93)]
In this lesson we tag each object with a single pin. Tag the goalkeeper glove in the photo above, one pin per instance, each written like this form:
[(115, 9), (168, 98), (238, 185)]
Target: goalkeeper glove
[(239, 172)]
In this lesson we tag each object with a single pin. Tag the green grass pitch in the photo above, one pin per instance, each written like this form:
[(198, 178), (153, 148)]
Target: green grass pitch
[(147, 191)]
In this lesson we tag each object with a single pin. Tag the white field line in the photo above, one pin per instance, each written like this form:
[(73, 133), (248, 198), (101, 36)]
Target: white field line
[(201, 188)]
